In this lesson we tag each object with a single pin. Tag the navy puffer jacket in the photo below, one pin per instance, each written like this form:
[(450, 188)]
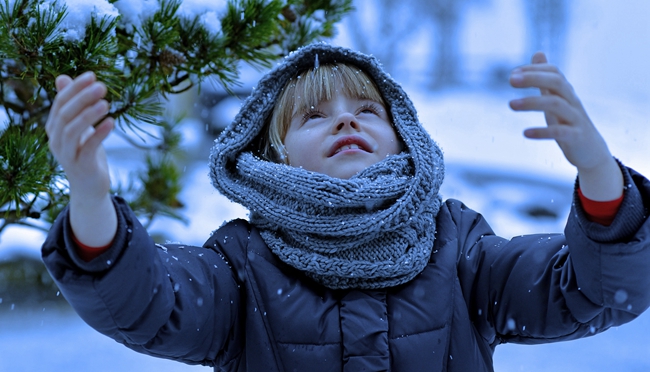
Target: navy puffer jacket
[(233, 305)]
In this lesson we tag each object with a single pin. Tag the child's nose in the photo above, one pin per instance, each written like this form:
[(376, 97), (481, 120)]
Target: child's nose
[(346, 121)]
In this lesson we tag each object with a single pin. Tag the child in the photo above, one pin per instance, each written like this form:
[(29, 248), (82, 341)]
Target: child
[(350, 260)]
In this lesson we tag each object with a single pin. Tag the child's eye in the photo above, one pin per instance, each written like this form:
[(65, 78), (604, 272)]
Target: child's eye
[(312, 114), (369, 109)]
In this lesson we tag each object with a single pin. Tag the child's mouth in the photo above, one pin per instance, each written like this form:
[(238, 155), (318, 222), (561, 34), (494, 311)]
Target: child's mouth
[(349, 143), (353, 146)]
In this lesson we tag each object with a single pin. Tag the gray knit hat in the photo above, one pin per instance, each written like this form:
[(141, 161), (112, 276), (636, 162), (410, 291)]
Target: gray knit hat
[(375, 229)]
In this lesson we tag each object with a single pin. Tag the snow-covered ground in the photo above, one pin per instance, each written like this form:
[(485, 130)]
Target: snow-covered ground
[(490, 167)]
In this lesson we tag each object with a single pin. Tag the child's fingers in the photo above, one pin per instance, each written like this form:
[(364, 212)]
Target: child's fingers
[(539, 57), (547, 82), (62, 81), (551, 119), (101, 131), (538, 62), (67, 143), (86, 97), (539, 79), (537, 67), (559, 133), (76, 107), (69, 90), (549, 104), (74, 131)]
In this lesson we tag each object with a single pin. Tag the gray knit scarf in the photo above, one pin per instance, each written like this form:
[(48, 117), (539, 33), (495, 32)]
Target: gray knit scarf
[(374, 230)]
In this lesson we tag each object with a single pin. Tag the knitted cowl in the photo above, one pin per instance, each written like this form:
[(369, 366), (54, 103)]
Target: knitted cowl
[(374, 230)]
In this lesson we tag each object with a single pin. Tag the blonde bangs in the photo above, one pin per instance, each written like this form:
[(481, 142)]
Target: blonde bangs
[(307, 90), (323, 83)]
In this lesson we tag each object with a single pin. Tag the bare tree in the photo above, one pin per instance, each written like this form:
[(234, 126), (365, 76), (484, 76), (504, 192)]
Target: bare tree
[(381, 27), (547, 26)]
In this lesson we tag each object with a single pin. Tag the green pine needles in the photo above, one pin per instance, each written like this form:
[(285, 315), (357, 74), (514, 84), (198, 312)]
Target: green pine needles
[(144, 50)]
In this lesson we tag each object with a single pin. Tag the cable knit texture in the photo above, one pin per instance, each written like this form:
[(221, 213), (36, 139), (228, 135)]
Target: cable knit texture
[(374, 230)]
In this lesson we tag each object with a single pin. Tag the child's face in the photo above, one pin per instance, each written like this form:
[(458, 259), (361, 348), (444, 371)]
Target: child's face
[(340, 137)]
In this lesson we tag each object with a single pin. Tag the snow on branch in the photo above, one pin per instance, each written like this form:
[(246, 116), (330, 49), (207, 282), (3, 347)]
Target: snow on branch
[(143, 50)]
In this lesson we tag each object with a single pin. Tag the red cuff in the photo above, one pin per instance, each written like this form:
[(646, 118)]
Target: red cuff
[(89, 253), (600, 212)]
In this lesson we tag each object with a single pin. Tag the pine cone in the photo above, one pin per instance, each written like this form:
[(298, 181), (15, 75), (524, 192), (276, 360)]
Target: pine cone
[(169, 59), (289, 14)]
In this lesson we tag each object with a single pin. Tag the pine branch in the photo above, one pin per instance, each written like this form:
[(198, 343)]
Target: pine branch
[(22, 222), (140, 65), (13, 216)]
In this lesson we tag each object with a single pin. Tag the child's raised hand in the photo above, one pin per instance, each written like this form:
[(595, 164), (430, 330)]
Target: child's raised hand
[(569, 125), (566, 119), (76, 126)]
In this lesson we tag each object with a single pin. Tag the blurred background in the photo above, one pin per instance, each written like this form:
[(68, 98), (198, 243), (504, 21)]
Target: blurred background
[(453, 57)]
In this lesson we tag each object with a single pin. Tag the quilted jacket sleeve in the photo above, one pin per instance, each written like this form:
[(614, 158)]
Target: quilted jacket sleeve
[(173, 301), (545, 288)]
